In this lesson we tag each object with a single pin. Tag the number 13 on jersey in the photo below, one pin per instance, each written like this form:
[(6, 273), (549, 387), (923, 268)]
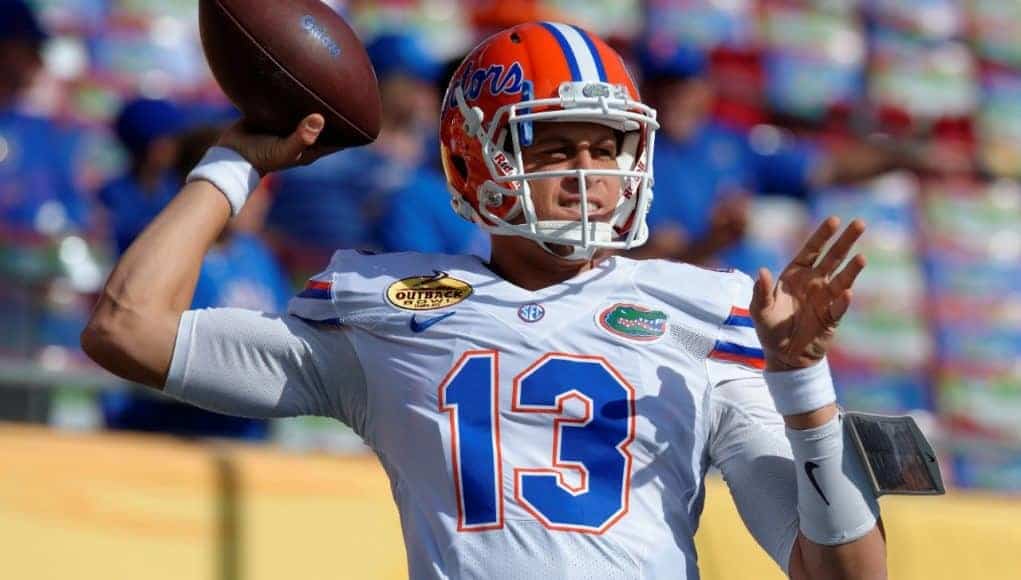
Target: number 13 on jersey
[(594, 446)]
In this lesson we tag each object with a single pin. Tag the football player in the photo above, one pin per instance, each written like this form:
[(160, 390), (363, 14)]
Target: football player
[(551, 413)]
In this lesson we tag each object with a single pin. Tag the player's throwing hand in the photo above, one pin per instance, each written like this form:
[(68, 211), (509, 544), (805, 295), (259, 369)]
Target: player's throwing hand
[(797, 317), (268, 153)]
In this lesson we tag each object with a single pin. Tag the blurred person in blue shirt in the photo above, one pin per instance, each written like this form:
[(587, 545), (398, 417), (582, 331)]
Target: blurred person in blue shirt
[(387, 196), (706, 171), (238, 272), (419, 217), (148, 129), (37, 183)]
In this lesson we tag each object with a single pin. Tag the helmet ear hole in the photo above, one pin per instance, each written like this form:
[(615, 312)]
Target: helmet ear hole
[(460, 166)]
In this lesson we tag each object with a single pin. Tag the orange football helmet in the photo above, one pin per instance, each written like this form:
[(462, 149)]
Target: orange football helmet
[(543, 72)]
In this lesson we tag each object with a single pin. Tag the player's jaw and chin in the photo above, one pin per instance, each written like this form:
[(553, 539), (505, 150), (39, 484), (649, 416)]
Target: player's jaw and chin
[(524, 249)]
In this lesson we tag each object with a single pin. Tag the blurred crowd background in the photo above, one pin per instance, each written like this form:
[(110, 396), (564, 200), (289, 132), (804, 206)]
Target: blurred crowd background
[(906, 113)]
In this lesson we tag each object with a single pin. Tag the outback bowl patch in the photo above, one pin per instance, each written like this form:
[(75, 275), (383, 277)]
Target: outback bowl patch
[(633, 321), (428, 292)]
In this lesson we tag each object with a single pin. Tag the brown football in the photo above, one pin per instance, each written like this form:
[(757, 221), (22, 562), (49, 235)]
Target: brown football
[(280, 60)]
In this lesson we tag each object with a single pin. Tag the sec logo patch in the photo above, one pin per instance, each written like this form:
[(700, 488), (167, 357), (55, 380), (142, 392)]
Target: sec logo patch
[(531, 312), (428, 292)]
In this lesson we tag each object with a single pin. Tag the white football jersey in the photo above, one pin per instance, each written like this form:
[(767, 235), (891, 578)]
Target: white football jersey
[(560, 433)]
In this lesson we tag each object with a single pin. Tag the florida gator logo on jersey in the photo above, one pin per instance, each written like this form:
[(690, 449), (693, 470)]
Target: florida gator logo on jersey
[(633, 322)]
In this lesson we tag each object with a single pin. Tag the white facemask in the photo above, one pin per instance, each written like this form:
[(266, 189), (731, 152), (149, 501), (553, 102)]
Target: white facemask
[(592, 102)]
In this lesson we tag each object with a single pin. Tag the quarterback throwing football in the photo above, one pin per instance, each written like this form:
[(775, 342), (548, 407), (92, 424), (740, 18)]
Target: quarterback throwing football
[(551, 413)]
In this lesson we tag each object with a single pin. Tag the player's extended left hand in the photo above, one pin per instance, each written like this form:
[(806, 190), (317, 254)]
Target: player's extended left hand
[(796, 318)]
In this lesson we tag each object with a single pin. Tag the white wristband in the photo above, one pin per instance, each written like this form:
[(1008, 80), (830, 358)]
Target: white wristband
[(231, 173), (803, 390)]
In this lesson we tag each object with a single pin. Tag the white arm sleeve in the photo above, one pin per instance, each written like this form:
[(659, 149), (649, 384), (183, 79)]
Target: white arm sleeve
[(749, 446), (254, 364)]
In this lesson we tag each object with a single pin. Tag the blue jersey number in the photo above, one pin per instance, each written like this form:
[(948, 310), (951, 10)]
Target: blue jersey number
[(469, 395), (592, 444)]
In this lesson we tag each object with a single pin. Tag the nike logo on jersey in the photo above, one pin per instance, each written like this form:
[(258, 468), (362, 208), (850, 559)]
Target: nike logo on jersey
[(421, 326), (810, 467)]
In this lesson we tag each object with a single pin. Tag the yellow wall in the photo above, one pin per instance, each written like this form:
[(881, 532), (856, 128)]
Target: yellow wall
[(111, 507), (955, 537), (318, 518), (103, 507)]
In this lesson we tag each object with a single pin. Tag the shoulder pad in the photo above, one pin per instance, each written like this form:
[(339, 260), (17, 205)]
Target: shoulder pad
[(707, 294), (719, 298)]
